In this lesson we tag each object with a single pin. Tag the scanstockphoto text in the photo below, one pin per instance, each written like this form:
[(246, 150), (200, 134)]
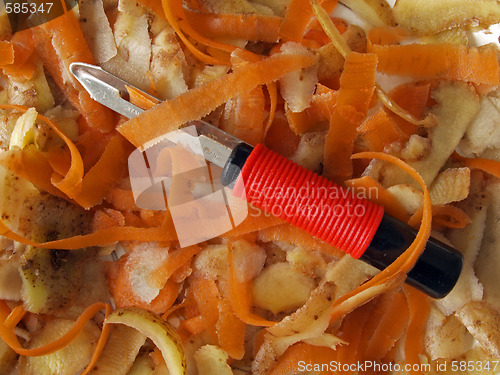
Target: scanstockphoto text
[(455, 366), (362, 366)]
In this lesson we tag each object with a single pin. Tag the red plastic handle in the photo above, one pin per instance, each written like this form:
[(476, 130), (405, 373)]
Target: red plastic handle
[(308, 201)]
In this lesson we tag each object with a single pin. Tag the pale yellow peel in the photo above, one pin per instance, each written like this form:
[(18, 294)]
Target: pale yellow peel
[(160, 332)]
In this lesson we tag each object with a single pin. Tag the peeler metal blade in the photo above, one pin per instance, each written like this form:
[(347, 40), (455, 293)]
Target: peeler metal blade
[(111, 91), (106, 88)]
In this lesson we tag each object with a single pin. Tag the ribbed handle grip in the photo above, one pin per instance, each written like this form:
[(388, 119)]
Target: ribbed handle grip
[(308, 201)]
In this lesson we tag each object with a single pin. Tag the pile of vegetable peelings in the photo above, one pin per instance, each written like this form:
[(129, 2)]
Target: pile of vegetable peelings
[(404, 106)]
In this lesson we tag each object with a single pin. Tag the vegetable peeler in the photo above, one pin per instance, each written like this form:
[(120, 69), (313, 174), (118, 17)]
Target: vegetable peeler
[(351, 223)]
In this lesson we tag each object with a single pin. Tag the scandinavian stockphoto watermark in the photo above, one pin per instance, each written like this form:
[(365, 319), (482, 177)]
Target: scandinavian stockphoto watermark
[(173, 173), (310, 200)]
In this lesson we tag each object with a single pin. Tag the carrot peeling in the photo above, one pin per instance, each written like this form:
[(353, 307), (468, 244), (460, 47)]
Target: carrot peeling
[(175, 16), (289, 362), (445, 61), (489, 166), (206, 295), (353, 328), (449, 216), (392, 106), (406, 105), (357, 85), (244, 117), (390, 324), (24, 64), (177, 9), (15, 317), (410, 256), (174, 261), (32, 165), (101, 343), (10, 338), (199, 101), (122, 199), (59, 43), (273, 99), (107, 218), (70, 183), (395, 273), (105, 174), (387, 35), (241, 26), (330, 29), (297, 17), (4, 310), (138, 98), (419, 305), (125, 295), (230, 330), (317, 35), (6, 53), (155, 6), (380, 131), (240, 294), (163, 233)]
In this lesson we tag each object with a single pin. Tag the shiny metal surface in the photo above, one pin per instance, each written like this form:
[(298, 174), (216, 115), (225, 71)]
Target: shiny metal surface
[(111, 92)]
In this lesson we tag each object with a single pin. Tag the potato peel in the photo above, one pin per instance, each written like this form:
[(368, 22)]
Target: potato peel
[(426, 17), (376, 12), (428, 122), (451, 185), (483, 322), (488, 260), (160, 332)]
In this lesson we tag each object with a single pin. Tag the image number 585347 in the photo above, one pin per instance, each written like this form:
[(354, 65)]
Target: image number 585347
[(26, 8), (26, 14)]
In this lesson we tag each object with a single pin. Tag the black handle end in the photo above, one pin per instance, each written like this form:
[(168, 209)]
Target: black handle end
[(436, 271), (235, 163)]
